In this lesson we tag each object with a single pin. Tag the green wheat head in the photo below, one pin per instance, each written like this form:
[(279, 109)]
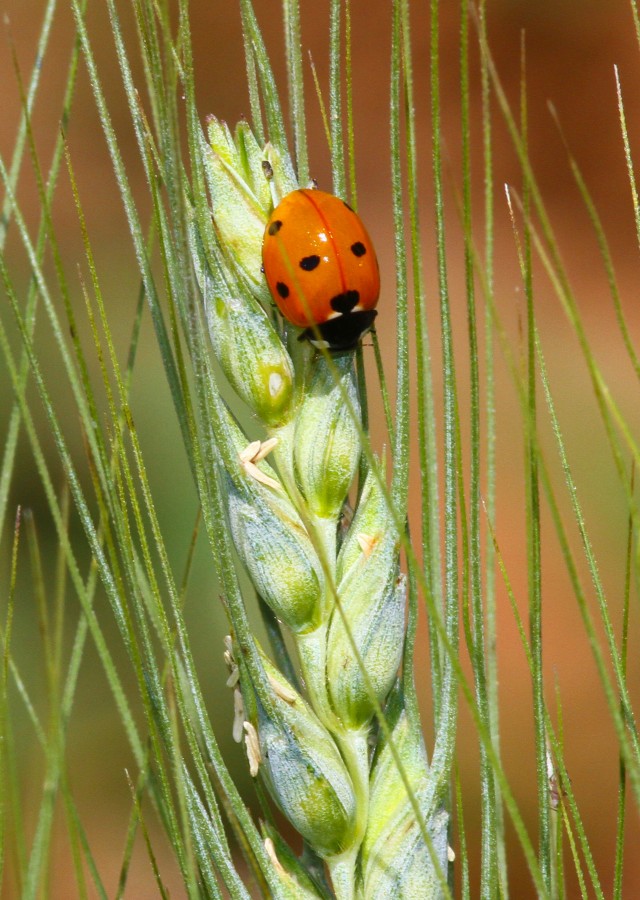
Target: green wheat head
[(330, 576)]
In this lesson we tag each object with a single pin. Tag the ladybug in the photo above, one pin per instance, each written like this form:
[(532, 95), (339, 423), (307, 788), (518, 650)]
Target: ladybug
[(321, 268)]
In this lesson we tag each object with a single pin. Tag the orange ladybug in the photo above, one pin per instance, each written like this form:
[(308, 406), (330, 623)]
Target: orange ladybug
[(321, 268)]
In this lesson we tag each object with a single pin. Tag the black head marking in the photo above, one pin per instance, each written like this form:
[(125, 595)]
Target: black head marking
[(282, 289), (342, 333), (309, 263), (274, 227), (344, 303), (358, 249)]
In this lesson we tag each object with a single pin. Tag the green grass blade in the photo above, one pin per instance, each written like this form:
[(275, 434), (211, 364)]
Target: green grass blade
[(446, 724), (9, 451), (5, 774), (534, 551), (624, 644), (295, 72), (477, 648), (338, 169), (21, 137)]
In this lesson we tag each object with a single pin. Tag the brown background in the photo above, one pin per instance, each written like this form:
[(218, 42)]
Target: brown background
[(571, 48)]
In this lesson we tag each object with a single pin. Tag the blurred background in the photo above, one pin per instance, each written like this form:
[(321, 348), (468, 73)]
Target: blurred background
[(571, 47)]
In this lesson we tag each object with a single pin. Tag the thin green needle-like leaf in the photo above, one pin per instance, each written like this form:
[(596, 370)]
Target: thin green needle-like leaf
[(490, 431), (162, 891), (80, 845), (603, 244), (606, 407), (624, 643), (489, 858), (257, 52), (132, 215), (293, 45), (427, 428), (4, 696), (53, 505), (534, 553), (11, 439), (335, 99), (34, 84), (610, 414), (463, 853), (446, 723), (565, 788), (400, 446), (351, 134)]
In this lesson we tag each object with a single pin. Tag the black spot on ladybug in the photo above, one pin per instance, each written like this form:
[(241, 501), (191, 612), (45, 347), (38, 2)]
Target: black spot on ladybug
[(344, 303), (282, 290), (309, 263), (358, 249), (350, 208), (274, 227)]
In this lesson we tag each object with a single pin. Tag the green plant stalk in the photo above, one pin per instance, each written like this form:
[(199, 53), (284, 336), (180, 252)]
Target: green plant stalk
[(312, 651), (355, 752)]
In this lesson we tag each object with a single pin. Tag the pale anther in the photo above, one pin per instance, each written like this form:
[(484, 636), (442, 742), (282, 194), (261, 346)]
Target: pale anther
[(256, 451), (283, 691), (367, 543), (271, 853), (238, 716), (265, 448), (253, 748), (250, 451), (258, 475)]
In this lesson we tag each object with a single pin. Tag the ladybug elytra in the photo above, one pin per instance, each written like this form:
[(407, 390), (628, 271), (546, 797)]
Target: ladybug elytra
[(321, 268)]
